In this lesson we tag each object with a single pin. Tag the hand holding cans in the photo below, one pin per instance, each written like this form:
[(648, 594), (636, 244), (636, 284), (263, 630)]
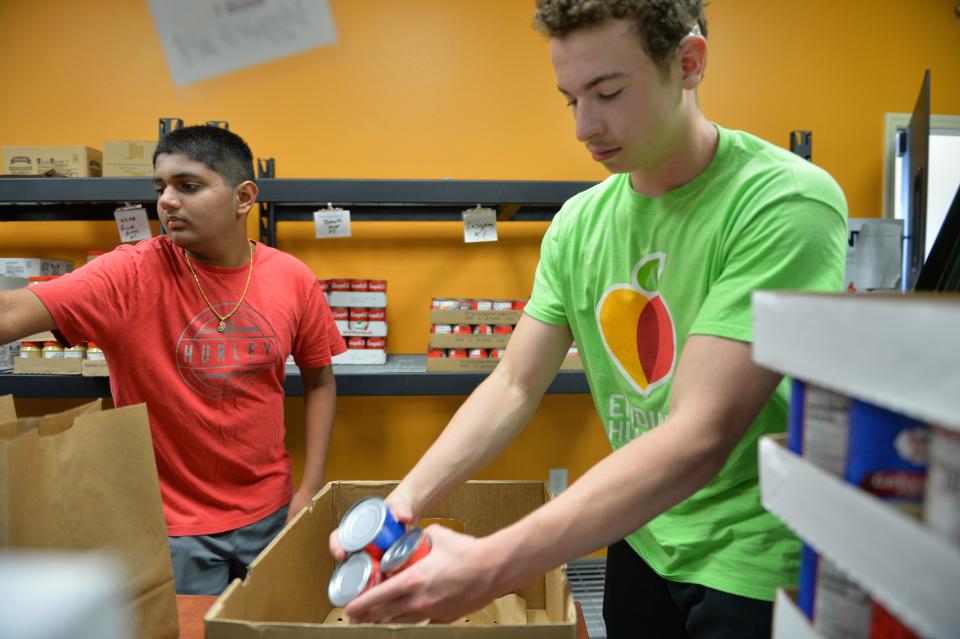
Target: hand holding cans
[(378, 548)]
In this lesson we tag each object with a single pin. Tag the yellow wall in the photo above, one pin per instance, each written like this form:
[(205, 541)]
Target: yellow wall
[(462, 89)]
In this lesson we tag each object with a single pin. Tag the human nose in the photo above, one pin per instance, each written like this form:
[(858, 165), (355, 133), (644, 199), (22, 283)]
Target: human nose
[(589, 124), (167, 200)]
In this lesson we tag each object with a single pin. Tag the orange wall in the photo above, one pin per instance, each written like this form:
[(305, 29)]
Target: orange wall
[(432, 89)]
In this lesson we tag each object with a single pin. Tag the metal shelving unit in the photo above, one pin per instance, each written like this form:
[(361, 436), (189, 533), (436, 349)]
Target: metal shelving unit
[(287, 200), (402, 375)]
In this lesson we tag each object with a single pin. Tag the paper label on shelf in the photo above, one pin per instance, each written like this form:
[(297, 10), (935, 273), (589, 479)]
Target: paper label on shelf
[(479, 225), (331, 222), (132, 223)]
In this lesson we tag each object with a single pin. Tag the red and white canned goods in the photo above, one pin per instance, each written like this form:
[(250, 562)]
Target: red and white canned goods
[(378, 314), (339, 285), (445, 303), (497, 353), (519, 304), (462, 329), (441, 329), (354, 576), (482, 329), (413, 546), (480, 305), (357, 343), (502, 305), (369, 525), (457, 353), (502, 329), (340, 314), (378, 343), (359, 318), (377, 286), (436, 352), (478, 353), (324, 285), (359, 286)]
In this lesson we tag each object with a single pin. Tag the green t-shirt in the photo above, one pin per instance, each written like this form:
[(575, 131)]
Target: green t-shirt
[(633, 276)]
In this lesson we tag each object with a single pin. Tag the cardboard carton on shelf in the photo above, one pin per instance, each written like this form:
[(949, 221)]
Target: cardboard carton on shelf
[(285, 593), (449, 316), (69, 161), (468, 365), (128, 158), (449, 340)]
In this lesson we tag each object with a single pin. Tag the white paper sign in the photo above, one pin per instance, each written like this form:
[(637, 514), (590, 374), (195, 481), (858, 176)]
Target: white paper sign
[(206, 38), (132, 223), (331, 223), (479, 225)]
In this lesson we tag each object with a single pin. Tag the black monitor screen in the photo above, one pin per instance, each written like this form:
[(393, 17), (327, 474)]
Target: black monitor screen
[(941, 271), (915, 188)]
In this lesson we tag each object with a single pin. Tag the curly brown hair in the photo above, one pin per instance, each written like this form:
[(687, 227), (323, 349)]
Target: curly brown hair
[(661, 24)]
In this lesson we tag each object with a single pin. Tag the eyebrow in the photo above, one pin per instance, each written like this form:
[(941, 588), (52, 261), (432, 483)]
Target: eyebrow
[(179, 176), (597, 80)]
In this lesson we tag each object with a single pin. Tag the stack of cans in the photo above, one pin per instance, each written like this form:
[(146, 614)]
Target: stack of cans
[(377, 548)]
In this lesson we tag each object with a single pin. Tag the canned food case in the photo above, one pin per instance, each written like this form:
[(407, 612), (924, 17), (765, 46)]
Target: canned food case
[(467, 365), (285, 592), (354, 299)]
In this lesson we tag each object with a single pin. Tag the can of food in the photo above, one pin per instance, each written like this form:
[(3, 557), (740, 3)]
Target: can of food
[(412, 546), (502, 305), (519, 304), (445, 303), (481, 305), (436, 352), (482, 329), (324, 285), (477, 353), (502, 329), (359, 319), (339, 285), (356, 343), (359, 286), (497, 353), (52, 350), (354, 575), (457, 353), (378, 343), (340, 314), (462, 329), (369, 525), (942, 496), (441, 329), (377, 286), (377, 314)]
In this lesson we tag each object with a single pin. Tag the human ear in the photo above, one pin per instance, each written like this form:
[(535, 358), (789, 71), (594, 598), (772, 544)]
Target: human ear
[(245, 195), (692, 55)]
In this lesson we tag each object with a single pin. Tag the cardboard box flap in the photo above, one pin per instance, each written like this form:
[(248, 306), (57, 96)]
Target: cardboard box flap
[(8, 412), (48, 425)]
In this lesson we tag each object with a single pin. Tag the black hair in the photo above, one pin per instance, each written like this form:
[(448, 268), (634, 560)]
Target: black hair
[(218, 149)]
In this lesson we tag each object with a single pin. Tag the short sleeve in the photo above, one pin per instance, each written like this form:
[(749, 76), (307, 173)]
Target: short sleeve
[(318, 339), (546, 300)]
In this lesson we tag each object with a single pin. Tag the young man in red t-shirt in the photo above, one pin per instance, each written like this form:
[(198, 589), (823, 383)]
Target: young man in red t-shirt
[(198, 324)]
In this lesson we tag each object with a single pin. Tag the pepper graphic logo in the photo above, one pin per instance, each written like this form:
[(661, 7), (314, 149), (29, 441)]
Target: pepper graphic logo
[(637, 329)]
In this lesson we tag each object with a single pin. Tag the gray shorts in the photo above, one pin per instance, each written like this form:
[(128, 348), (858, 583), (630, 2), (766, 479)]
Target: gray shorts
[(206, 564)]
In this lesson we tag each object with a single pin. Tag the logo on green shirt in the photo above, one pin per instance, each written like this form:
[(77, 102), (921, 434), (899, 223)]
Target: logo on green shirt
[(637, 329)]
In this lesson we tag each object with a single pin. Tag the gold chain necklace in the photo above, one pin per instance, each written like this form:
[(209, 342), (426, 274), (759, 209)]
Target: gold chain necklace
[(222, 326)]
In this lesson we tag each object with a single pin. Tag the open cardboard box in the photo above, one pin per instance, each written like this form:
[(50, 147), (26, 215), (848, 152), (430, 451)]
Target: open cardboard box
[(285, 592)]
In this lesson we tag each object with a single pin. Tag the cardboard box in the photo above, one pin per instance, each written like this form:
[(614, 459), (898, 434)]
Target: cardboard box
[(24, 267), (94, 368), (48, 366), (285, 592), (347, 299), (69, 161), (449, 340), (363, 356), (467, 365), (128, 158), (374, 329)]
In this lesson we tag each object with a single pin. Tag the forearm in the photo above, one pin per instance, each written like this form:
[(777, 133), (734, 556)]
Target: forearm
[(319, 399), (483, 426), (607, 503)]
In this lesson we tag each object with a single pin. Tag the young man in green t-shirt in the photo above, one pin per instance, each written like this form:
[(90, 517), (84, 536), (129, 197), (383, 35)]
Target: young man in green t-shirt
[(651, 273)]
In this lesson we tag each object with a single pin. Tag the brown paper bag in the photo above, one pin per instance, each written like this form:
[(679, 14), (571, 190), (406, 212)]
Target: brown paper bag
[(86, 479)]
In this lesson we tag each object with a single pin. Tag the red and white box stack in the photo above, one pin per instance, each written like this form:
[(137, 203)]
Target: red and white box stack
[(359, 308)]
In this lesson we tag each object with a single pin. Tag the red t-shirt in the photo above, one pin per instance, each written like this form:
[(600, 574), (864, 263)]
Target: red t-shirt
[(215, 400)]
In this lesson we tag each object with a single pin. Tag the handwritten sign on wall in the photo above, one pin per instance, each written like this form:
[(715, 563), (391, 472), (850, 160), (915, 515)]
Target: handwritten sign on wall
[(132, 224), (206, 38), (479, 225)]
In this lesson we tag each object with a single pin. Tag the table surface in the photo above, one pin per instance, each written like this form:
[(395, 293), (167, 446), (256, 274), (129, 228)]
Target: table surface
[(191, 608)]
